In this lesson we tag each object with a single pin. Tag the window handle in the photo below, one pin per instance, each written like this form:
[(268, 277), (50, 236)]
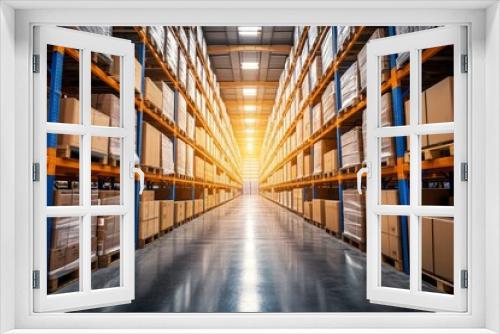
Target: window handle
[(359, 175), (137, 170)]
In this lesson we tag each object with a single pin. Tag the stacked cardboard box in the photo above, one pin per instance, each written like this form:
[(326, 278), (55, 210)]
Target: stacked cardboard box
[(317, 112), (332, 215), (300, 164), (156, 35), (328, 102), (318, 207), (384, 64), (199, 167), (182, 69), (343, 35), (299, 130), (109, 104), (171, 50), (390, 227), (330, 160), (306, 122), (387, 149), (107, 197), (305, 91), (189, 206), (354, 215), (180, 211), (182, 113), (308, 163), (308, 209), (108, 234), (439, 108), (198, 206), (149, 215), (315, 71), (167, 155), (180, 161), (191, 86), (70, 114), (168, 98), (200, 136), (349, 86), (166, 214), (190, 126), (320, 148), (327, 51), (115, 72), (189, 160), (352, 147), (152, 93), (151, 143)]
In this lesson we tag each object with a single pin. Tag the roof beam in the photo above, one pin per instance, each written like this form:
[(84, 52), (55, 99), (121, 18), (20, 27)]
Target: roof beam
[(223, 49), (240, 103), (241, 84)]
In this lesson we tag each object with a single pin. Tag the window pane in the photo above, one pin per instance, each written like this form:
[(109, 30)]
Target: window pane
[(63, 85), (105, 174), (105, 97), (391, 236), (63, 254), (437, 254), (63, 170), (107, 245)]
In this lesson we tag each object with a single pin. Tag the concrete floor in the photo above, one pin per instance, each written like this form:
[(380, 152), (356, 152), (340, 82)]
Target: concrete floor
[(249, 255)]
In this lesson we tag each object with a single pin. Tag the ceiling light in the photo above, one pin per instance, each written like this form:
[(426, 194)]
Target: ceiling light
[(249, 147), (250, 130), (250, 139), (249, 65), (249, 107), (249, 91), (249, 31), (250, 120)]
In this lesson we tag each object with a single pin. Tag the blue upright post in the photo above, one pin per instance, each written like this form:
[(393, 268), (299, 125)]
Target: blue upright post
[(141, 57), (338, 105), (56, 72), (398, 120)]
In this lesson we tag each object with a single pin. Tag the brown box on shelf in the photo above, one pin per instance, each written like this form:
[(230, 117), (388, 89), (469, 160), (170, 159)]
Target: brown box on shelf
[(349, 86), (427, 245), (300, 164), (166, 214), (354, 215), (306, 122), (199, 165), (200, 136), (198, 206), (320, 148), (189, 209), (108, 234), (308, 209), (100, 144), (109, 104), (167, 154), (148, 195), (442, 230), (352, 147), (167, 93), (63, 197), (328, 102), (332, 215), (152, 93), (390, 224), (151, 143), (115, 72), (180, 162), (308, 163), (330, 160), (317, 112), (423, 116), (439, 102), (109, 197), (318, 206), (180, 211), (298, 132)]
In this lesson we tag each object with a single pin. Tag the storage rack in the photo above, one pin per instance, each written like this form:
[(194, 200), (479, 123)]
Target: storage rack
[(341, 118), (145, 52)]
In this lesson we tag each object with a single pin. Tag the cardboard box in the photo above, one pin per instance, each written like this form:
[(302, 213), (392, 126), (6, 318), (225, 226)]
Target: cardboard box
[(390, 224), (189, 205), (300, 164), (320, 148), (152, 93), (318, 206), (332, 215), (100, 144), (180, 161), (167, 155), (317, 112), (148, 195), (308, 163), (308, 209), (198, 206), (423, 116), (427, 245), (354, 215), (442, 229), (330, 160), (352, 147), (115, 72), (109, 104), (439, 102), (199, 164), (181, 113), (166, 214), (151, 143), (180, 211), (168, 100), (306, 122), (200, 136)]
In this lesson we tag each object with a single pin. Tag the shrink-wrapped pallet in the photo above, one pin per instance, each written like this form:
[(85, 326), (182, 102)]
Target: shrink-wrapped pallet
[(156, 35), (327, 55), (180, 162), (352, 147), (385, 70), (189, 160), (317, 113), (354, 215), (328, 102), (171, 50), (167, 154), (349, 86), (168, 98)]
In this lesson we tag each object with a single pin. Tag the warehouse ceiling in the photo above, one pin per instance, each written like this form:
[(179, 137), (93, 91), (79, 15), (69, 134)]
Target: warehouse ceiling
[(265, 50)]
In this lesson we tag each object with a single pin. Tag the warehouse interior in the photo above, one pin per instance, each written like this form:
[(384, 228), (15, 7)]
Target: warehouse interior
[(250, 139)]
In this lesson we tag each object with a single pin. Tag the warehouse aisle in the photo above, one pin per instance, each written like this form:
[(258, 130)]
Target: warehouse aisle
[(249, 255)]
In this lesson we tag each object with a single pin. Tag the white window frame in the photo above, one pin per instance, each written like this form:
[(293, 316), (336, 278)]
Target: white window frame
[(483, 122)]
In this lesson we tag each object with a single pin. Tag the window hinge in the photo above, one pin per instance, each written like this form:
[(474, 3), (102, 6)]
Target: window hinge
[(464, 171), (465, 64), (36, 279), (36, 172), (464, 279), (36, 63)]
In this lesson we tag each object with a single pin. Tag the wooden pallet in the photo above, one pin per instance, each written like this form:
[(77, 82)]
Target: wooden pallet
[(114, 160), (72, 152), (438, 151), (392, 262), (56, 283), (151, 106), (167, 230), (319, 225), (355, 243), (105, 260), (439, 283), (151, 169), (329, 174), (148, 240), (352, 169), (333, 233)]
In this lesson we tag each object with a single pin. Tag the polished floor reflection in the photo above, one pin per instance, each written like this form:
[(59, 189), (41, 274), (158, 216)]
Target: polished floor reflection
[(249, 255)]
